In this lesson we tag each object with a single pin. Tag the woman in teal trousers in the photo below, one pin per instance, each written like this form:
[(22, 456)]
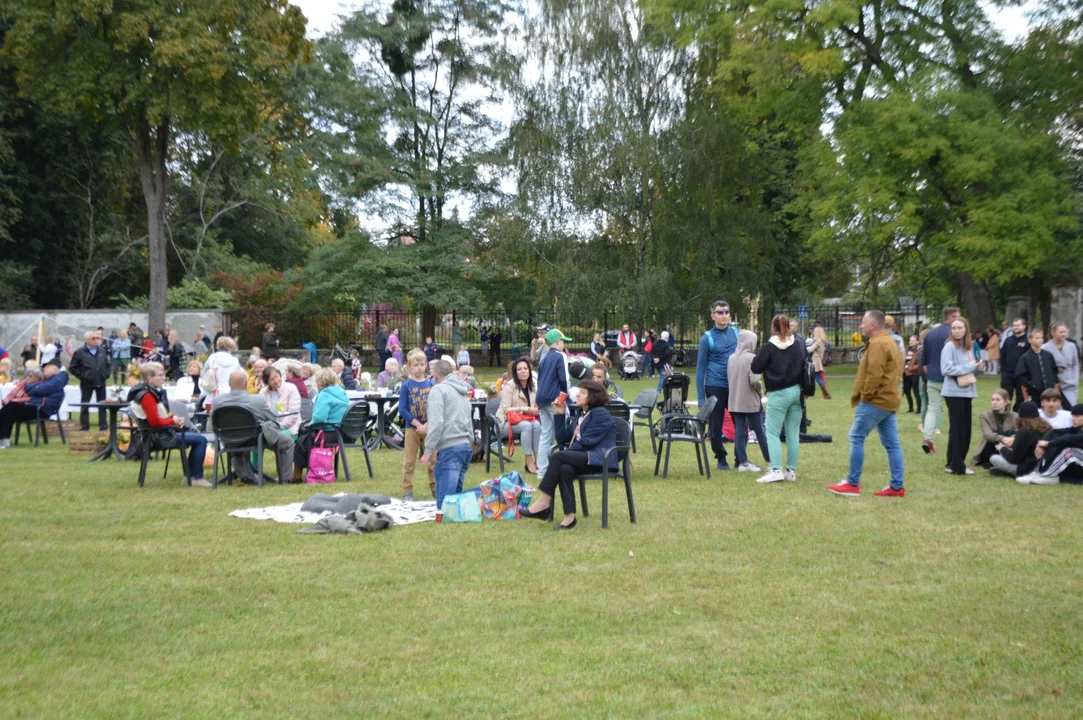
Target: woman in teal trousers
[(780, 363)]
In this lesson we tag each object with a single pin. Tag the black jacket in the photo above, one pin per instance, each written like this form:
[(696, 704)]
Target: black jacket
[(1036, 371), (91, 370), (1062, 439), (780, 368), (349, 382), (1021, 453), (269, 345), (662, 352), (1011, 351)]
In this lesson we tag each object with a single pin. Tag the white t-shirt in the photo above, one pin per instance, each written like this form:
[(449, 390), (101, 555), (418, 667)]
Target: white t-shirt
[(1062, 420)]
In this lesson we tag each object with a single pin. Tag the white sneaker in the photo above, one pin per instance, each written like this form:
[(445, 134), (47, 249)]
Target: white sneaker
[(937, 431), (1026, 479), (1040, 479), (790, 475), (748, 467), (771, 476), (968, 471), (5, 444), (201, 483)]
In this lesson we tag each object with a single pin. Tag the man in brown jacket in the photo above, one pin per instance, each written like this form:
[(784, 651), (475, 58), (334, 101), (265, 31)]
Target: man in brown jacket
[(876, 396)]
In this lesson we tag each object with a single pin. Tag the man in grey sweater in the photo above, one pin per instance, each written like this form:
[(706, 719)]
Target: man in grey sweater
[(273, 437), (451, 431)]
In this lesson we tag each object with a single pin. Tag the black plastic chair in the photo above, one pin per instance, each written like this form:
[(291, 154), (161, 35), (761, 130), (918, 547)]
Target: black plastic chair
[(37, 427), (160, 439), (237, 432), (619, 409), (352, 435), (622, 448), (646, 400), (495, 436), (682, 427)]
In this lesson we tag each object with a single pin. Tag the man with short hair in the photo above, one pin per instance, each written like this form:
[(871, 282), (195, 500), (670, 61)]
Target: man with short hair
[(136, 335), (349, 382), (552, 381), (715, 348), (1052, 410), (930, 360), (1013, 346), (217, 334), (876, 396), (538, 346), (450, 433), (381, 346), (273, 437), (626, 340), (92, 365), (1036, 370)]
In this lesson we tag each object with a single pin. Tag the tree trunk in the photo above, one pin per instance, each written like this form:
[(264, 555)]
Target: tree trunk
[(151, 149), (428, 323), (977, 304)]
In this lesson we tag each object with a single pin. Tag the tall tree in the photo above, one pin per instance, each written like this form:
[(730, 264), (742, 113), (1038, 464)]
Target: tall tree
[(153, 68)]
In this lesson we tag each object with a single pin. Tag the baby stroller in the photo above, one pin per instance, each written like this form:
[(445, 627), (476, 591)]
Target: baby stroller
[(629, 365)]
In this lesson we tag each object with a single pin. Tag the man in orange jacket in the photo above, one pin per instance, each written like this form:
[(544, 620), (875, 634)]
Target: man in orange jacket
[(877, 397)]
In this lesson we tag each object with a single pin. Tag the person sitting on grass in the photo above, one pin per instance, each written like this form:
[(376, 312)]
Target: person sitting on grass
[(1017, 455), (997, 427), (586, 442), (1052, 411), (148, 401), (39, 389), (1060, 455)]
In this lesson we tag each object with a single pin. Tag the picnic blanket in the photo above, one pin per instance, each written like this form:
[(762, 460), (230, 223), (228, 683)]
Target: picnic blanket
[(403, 513)]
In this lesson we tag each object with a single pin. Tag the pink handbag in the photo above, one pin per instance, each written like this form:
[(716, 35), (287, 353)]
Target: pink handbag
[(321, 462)]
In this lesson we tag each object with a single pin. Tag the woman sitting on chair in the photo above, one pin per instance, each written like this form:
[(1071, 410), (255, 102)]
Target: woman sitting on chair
[(327, 412), (150, 404), (587, 440), (519, 395), (282, 397)]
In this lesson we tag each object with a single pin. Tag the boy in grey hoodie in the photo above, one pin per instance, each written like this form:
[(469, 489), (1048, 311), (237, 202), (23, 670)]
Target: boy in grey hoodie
[(451, 431), (745, 401)]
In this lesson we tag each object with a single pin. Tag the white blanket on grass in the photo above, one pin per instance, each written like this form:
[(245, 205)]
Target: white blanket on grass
[(403, 513)]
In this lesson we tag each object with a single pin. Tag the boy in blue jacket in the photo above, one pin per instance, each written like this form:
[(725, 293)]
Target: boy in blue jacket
[(715, 348), (413, 408), (552, 380)]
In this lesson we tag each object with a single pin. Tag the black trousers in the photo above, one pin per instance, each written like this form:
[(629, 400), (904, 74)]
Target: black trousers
[(13, 413), (85, 391), (564, 467), (494, 355), (719, 414), (912, 388), (959, 428), (1015, 395)]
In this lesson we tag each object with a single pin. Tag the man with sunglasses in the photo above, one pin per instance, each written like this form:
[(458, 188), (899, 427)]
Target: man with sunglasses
[(715, 348)]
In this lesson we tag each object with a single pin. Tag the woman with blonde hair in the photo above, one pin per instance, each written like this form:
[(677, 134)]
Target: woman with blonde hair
[(5, 370), (218, 367), (819, 347)]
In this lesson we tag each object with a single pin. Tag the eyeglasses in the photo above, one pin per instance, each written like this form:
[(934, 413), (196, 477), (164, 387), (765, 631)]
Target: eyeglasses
[(724, 311)]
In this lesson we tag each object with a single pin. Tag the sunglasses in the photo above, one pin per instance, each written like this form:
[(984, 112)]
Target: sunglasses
[(724, 311)]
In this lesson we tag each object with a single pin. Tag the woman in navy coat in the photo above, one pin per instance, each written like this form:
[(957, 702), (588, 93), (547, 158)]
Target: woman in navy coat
[(586, 441)]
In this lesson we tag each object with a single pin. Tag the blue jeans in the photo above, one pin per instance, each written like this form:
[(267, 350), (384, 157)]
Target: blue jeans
[(646, 367), (548, 433), (661, 380), (741, 423), (866, 418), (196, 449), (450, 471)]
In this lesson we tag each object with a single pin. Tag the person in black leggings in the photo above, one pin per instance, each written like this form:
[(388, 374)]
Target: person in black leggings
[(912, 380), (587, 440)]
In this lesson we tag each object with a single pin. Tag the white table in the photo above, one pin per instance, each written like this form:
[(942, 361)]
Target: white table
[(73, 396)]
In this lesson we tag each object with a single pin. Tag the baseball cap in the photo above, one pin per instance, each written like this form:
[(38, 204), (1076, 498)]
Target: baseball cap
[(553, 335), (544, 327)]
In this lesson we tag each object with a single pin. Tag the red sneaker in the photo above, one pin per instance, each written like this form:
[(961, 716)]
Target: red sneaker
[(888, 492), (927, 446), (845, 488)]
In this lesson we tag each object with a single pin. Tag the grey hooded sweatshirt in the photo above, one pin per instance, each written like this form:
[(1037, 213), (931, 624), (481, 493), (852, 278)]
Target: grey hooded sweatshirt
[(746, 391), (450, 415)]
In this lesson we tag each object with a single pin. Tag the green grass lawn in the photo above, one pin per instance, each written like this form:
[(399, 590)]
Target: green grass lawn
[(727, 598)]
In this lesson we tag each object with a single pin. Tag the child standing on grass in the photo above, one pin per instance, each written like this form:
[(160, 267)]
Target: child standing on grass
[(413, 407)]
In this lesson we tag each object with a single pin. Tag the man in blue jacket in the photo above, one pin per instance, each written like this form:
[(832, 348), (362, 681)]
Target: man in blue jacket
[(552, 380), (42, 388), (930, 360), (715, 348)]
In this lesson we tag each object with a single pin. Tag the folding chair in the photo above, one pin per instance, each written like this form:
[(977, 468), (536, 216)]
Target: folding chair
[(624, 434), (682, 427)]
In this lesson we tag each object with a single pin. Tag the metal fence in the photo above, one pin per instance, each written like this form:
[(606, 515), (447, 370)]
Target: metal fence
[(326, 329), (842, 321)]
